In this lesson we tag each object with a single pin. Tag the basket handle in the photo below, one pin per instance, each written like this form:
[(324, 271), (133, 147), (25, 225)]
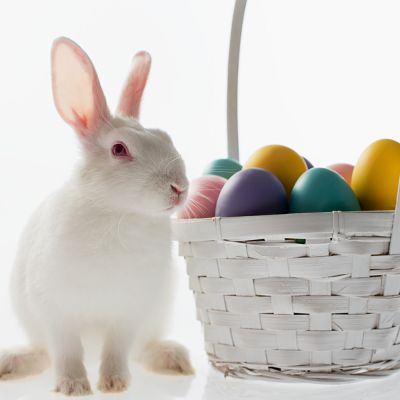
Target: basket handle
[(233, 76)]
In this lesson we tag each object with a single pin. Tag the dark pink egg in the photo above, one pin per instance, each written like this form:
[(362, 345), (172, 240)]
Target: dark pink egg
[(202, 197), (344, 170)]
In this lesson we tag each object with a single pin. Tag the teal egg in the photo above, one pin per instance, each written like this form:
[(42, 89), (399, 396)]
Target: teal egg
[(224, 167), (322, 190)]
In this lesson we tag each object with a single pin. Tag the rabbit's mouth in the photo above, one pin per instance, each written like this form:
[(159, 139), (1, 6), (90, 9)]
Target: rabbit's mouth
[(178, 196), (177, 203)]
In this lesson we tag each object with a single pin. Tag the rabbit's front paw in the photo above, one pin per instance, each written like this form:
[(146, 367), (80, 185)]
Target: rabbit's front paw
[(168, 357), (73, 386), (113, 383)]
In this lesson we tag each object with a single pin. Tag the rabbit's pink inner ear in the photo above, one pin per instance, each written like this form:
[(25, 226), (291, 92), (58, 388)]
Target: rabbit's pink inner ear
[(129, 104), (76, 88)]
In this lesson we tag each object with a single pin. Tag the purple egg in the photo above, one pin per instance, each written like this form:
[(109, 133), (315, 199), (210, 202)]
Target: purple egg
[(309, 165), (252, 191)]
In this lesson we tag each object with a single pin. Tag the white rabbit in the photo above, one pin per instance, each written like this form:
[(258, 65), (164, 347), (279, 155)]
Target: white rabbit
[(97, 253)]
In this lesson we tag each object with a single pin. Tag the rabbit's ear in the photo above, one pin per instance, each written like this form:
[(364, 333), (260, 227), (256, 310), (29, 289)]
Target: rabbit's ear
[(129, 103), (77, 93)]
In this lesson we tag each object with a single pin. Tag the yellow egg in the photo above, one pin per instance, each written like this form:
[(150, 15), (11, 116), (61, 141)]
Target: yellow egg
[(376, 175), (282, 161)]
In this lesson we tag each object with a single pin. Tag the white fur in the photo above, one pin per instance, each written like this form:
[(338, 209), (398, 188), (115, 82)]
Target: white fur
[(97, 254)]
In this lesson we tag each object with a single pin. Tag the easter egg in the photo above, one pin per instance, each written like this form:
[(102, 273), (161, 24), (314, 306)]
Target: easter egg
[(344, 170), (376, 175), (252, 191), (202, 197), (320, 190), (309, 165), (224, 167), (282, 161)]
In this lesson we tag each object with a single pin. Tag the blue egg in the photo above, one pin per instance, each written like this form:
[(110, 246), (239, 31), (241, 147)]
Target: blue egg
[(224, 167), (322, 190)]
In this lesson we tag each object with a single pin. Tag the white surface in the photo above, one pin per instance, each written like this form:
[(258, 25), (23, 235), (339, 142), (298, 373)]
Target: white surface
[(208, 384), (320, 76)]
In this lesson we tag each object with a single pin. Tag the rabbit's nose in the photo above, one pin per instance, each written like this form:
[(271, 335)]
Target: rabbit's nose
[(176, 189)]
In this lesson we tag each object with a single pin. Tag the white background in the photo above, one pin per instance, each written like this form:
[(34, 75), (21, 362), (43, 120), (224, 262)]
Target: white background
[(322, 77)]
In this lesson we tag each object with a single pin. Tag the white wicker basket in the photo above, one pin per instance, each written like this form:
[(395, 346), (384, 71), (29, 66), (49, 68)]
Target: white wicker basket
[(322, 305)]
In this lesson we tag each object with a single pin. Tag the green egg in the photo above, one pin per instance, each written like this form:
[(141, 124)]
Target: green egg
[(224, 167), (322, 190)]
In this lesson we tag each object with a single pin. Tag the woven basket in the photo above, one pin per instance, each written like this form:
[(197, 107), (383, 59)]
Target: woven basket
[(295, 296)]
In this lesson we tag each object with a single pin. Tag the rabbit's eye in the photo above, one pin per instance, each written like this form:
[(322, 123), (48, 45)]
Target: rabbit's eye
[(119, 150)]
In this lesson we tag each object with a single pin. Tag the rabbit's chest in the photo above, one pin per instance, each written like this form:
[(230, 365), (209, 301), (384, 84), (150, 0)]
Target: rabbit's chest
[(117, 241), (120, 253), (106, 269)]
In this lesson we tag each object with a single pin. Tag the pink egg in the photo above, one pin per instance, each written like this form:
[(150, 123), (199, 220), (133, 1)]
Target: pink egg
[(343, 169), (202, 197)]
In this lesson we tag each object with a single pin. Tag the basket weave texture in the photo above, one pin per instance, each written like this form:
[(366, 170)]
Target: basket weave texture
[(300, 295)]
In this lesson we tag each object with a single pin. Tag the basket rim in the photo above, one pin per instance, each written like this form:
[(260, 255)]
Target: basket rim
[(177, 220), (324, 224)]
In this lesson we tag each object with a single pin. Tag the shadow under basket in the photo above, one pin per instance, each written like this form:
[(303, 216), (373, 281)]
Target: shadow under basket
[(297, 296)]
